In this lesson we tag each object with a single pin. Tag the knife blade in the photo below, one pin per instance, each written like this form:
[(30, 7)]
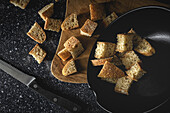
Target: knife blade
[(30, 81)]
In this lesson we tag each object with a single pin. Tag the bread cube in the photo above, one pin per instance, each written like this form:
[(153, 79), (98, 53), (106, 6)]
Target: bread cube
[(105, 49), (99, 62), (124, 42), (123, 84), (74, 46), (136, 38), (38, 53), (116, 61), (46, 11), (70, 22), (110, 72), (97, 11), (69, 68), (135, 72), (129, 59), (37, 33), (52, 24), (64, 54), (20, 3), (88, 28), (109, 19), (145, 48)]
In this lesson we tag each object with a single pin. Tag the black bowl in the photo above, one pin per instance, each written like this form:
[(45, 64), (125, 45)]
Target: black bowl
[(153, 89)]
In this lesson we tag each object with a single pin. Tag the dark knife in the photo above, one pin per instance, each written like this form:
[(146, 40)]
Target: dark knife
[(30, 81)]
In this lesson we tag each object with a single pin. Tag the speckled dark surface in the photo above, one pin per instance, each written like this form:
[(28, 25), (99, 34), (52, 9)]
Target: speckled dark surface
[(14, 48)]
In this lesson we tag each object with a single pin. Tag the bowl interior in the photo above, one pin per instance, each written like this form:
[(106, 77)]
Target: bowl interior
[(152, 23)]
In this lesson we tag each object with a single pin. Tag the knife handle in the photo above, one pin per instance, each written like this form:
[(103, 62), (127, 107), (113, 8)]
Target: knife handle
[(65, 103)]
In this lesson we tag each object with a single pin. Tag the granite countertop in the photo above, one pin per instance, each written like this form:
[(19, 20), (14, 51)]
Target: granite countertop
[(14, 48)]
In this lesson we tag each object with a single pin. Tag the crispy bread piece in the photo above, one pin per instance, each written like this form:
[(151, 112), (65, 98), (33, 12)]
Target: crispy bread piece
[(136, 38), (123, 84), (46, 11), (115, 60), (110, 72), (88, 28), (99, 62), (109, 19), (145, 48), (64, 54), (52, 24), (20, 3), (37, 33), (129, 59), (105, 49), (38, 53), (124, 42), (70, 22), (74, 46), (135, 72), (97, 11), (69, 68)]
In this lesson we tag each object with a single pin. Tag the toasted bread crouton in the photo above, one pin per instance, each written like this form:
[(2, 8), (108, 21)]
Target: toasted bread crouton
[(109, 19), (129, 59), (124, 42), (97, 11), (110, 72), (99, 62), (70, 22), (69, 68), (88, 28), (105, 49), (116, 61), (37, 33), (136, 38), (46, 11), (74, 46), (20, 3), (135, 72), (38, 53), (52, 24), (64, 54), (145, 48), (123, 84)]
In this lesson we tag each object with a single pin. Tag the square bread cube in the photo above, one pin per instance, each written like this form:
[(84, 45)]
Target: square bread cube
[(97, 11), (105, 49), (69, 68), (109, 19), (20, 3), (88, 28), (145, 48), (136, 38), (99, 62), (64, 54), (123, 84), (70, 22), (129, 59), (135, 72), (46, 11), (74, 46), (124, 42), (116, 61), (110, 72), (37, 33), (52, 24), (38, 53)]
